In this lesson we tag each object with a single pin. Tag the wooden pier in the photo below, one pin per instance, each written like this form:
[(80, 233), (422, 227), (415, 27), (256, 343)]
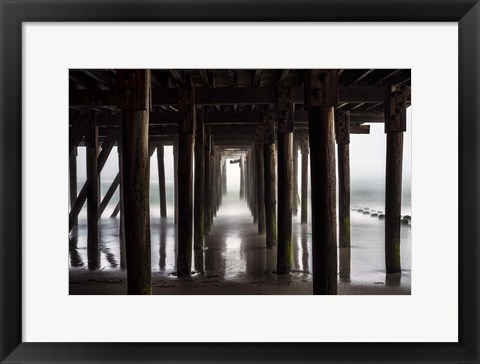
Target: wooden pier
[(273, 124)]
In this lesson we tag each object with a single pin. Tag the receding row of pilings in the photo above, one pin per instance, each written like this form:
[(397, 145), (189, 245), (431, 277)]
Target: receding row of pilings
[(273, 144)]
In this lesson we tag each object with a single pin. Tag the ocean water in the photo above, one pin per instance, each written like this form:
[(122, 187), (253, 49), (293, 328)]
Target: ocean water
[(233, 250)]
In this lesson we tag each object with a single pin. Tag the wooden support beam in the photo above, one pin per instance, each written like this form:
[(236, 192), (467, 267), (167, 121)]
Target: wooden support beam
[(342, 134), (295, 179), (175, 180), (161, 178), (321, 98), (304, 190), (73, 180), (253, 183), (161, 181), (224, 176), (186, 143), (241, 164), (260, 184), (93, 187), (285, 180), (395, 125), (199, 195), (121, 206), (107, 146), (393, 201), (208, 180), (134, 88), (108, 196), (270, 180)]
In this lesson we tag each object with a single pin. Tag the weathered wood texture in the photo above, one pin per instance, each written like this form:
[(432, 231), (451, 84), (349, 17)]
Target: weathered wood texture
[(208, 182), (93, 188), (247, 181), (295, 179), (253, 183), (285, 197), (343, 152), (304, 190), (224, 176), (322, 96), (395, 125), (242, 177), (121, 207), (342, 134), (175, 180), (199, 196), (285, 127), (260, 184), (107, 146), (161, 181), (185, 204), (186, 143), (134, 97), (393, 201), (73, 180), (322, 167), (270, 180), (270, 195)]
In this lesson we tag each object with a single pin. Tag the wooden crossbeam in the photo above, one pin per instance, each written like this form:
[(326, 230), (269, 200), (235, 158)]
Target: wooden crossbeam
[(108, 195), (116, 210), (170, 119), (228, 96), (102, 159), (360, 129)]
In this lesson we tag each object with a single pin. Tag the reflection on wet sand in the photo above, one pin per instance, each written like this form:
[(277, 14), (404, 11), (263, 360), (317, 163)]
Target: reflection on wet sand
[(236, 261)]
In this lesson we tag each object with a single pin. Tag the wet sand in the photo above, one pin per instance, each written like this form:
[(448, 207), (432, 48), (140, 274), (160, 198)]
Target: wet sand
[(235, 260)]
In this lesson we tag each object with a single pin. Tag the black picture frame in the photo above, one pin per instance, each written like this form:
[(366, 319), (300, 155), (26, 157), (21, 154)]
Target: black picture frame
[(13, 13)]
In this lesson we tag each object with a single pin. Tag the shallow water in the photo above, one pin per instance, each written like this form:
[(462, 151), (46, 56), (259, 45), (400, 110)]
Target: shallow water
[(236, 256)]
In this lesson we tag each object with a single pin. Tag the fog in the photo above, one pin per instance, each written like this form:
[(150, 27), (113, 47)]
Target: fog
[(367, 160)]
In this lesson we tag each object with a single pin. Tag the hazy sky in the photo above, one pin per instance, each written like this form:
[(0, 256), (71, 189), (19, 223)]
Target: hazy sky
[(367, 159)]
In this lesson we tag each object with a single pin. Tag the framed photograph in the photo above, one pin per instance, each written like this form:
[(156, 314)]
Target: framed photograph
[(241, 181)]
